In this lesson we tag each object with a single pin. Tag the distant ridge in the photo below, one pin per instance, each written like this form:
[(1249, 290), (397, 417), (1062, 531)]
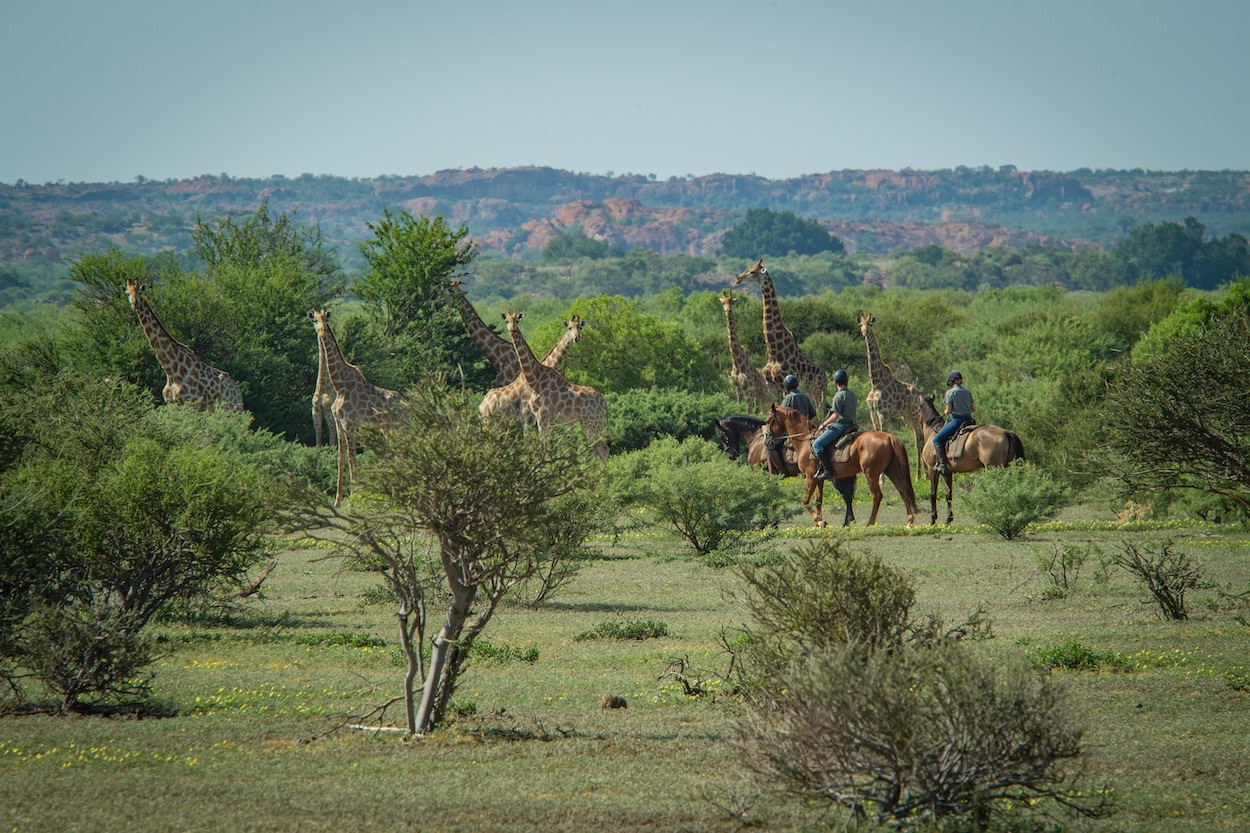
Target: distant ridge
[(517, 211)]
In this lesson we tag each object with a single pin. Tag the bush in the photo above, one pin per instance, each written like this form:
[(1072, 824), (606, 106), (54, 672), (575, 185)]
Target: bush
[(915, 734), (1008, 499), (691, 488), (115, 514), (637, 417), (1166, 574), (636, 629)]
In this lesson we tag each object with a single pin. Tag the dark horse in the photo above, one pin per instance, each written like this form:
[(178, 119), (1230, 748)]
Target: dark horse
[(734, 431), (985, 446), (873, 452)]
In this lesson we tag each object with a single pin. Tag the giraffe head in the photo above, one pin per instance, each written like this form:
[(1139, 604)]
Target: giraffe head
[(320, 320), (756, 273), (133, 290), (865, 324), (575, 326), (511, 318), (727, 300)]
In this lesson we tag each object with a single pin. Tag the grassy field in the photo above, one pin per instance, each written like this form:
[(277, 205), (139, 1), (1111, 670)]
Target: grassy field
[(249, 741)]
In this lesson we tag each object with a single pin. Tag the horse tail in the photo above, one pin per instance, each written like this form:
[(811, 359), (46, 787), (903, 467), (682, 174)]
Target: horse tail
[(899, 472), (1015, 448)]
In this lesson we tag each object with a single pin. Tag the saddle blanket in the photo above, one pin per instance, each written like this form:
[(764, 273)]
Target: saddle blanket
[(842, 448), (955, 445)]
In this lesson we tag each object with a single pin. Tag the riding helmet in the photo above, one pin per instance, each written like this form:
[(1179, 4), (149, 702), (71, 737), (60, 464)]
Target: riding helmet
[(791, 382), (953, 377), (840, 377)]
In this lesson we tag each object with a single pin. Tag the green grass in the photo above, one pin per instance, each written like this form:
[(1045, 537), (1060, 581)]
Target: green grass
[(251, 739)]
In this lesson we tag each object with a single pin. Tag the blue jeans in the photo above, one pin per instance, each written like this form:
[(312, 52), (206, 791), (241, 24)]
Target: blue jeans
[(949, 430), (830, 436)]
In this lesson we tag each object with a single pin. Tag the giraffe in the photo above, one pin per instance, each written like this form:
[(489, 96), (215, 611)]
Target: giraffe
[(499, 352), (323, 400), (889, 398), (188, 380), (553, 399), (784, 355), (749, 381), (357, 401), (510, 401)]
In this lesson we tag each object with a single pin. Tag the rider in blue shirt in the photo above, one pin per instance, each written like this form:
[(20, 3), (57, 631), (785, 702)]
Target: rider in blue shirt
[(840, 420), (959, 408)]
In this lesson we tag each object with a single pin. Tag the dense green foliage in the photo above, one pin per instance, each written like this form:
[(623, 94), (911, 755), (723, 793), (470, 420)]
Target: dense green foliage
[(408, 329), (1008, 499), (1174, 250), (1178, 418), (111, 515), (766, 233), (691, 488)]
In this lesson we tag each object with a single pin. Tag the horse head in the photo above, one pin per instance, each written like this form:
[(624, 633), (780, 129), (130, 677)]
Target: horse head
[(728, 440)]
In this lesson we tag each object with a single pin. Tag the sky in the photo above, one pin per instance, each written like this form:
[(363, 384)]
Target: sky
[(109, 90)]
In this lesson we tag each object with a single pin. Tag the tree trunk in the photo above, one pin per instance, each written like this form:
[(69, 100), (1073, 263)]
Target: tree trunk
[(457, 614)]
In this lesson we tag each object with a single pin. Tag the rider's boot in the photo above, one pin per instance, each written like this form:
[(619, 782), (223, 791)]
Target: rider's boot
[(941, 465), (825, 472)]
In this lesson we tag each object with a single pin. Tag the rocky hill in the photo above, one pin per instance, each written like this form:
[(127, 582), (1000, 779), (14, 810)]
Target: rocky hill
[(515, 212)]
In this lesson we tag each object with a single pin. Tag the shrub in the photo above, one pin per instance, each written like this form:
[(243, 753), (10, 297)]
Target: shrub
[(1008, 499), (1063, 566), (637, 629), (1075, 656), (691, 488), (638, 417), (1166, 574), (915, 734)]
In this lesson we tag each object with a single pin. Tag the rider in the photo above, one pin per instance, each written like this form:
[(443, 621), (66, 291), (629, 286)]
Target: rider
[(796, 399), (840, 420), (959, 408)]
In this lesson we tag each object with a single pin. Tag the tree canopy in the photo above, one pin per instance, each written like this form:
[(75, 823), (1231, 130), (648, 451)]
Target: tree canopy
[(767, 233)]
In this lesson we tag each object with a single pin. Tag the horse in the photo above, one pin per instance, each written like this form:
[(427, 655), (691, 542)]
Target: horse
[(873, 452), (734, 431), (985, 446)]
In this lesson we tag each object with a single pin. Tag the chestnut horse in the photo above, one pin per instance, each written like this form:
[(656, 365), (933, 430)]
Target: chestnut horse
[(873, 452), (985, 446)]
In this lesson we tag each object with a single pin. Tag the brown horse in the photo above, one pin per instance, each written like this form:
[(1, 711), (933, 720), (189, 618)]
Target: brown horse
[(985, 446), (874, 453)]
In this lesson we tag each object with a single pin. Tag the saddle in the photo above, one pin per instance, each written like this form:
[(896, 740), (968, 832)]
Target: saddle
[(955, 445), (842, 448)]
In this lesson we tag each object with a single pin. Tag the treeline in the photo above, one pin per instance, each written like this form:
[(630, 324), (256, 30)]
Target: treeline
[(1039, 356)]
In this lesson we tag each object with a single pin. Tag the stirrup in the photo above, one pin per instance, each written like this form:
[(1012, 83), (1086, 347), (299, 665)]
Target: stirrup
[(823, 473)]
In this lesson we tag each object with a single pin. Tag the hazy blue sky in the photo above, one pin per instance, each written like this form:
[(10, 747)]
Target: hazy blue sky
[(92, 90)]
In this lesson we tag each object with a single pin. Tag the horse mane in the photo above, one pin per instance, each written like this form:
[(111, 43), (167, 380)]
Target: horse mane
[(741, 423), (928, 413)]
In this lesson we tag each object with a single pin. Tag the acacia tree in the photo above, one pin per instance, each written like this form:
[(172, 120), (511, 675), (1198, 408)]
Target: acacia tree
[(502, 507), (1177, 419)]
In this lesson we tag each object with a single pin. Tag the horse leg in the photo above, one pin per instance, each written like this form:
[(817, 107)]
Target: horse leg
[(950, 515), (874, 486), (817, 488), (846, 487), (933, 487)]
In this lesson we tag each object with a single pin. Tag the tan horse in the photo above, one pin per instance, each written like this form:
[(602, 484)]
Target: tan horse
[(874, 453), (985, 446)]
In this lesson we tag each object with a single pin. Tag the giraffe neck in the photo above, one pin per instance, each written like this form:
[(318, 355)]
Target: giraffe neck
[(776, 337), (556, 354), (342, 374), (170, 353), (878, 373), (497, 350), (736, 351), (530, 367), (323, 369)]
